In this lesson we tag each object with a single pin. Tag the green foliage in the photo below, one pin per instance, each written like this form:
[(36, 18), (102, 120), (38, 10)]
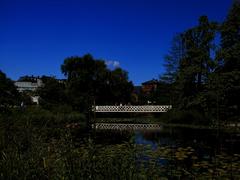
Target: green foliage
[(39, 144), (61, 116), (188, 117), (90, 81), (228, 74), (172, 60), (26, 136), (32, 79), (62, 159), (9, 95), (26, 98), (119, 88), (224, 89), (203, 79), (162, 95), (230, 40), (52, 93), (196, 63)]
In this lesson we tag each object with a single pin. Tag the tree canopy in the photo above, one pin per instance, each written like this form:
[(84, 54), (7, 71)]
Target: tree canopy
[(89, 81), (203, 74), (9, 95)]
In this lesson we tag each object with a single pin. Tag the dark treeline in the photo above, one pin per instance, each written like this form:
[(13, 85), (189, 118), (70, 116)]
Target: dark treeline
[(88, 81), (203, 71), (202, 79)]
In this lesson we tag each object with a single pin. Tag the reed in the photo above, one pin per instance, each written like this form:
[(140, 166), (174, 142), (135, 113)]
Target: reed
[(33, 146)]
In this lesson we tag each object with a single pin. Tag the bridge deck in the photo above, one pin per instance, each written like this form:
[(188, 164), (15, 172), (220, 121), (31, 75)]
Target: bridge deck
[(128, 108)]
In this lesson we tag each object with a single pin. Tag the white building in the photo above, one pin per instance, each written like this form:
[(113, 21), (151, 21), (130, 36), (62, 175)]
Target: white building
[(28, 86)]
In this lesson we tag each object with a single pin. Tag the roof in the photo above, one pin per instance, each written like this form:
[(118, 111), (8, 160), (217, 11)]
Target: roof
[(153, 81)]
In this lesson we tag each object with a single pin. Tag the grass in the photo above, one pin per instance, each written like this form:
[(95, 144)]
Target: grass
[(37, 144), (62, 160)]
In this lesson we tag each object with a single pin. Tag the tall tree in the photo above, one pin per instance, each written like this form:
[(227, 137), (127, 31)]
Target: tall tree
[(120, 87), (90, 81), (85, 75), (172, 60), (228, 72), (196, 63), (52, 92), (230, 39)]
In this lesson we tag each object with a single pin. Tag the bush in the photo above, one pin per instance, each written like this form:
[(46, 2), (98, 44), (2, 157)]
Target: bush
[(191, 117)]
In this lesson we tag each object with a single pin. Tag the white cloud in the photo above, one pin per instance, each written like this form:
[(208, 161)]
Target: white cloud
[(116, 64), (108, 63), (112, 64)]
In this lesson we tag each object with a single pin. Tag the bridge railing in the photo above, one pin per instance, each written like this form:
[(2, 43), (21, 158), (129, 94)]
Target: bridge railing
[(120, 126), (130, 108)]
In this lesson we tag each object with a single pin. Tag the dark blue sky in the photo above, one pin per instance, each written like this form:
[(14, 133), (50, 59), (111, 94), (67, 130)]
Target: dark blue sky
[(36, 35)]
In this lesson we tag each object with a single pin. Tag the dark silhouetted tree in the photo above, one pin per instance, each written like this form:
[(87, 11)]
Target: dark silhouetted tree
[(172, 60), (52, 92), (9, 95), (197, 63), (90, 81)]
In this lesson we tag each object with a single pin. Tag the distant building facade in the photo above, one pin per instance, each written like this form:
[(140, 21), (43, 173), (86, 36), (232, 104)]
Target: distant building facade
[(28, 86)]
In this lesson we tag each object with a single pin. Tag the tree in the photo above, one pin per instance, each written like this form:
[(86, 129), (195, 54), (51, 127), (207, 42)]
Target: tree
[(52, 92), (230, 40), (166, 92), (228, 72), (172, 60), (163, 94), (9, 95), (119, 87), (89, 81), (205, 79), (197, 63), (85, 77)]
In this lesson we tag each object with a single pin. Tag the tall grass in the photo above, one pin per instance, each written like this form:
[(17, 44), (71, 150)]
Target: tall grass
[(36, 144)]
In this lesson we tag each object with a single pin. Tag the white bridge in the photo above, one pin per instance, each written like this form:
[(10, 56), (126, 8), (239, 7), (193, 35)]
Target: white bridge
[(130, 108), (117, 126)]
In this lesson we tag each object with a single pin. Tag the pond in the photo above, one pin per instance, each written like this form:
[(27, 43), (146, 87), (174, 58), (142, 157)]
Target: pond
[(205, 140), (211, 153)]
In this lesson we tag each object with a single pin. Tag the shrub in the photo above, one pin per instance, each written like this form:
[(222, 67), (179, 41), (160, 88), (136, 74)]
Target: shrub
[(192, 117)]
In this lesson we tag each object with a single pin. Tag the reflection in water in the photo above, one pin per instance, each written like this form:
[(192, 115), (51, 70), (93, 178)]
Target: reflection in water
[(139, 139), (127, 127), (174, 152), (206, 142)]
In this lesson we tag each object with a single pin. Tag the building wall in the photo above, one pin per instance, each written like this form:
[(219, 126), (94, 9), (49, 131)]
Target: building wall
[(147, 88), (27, 86)]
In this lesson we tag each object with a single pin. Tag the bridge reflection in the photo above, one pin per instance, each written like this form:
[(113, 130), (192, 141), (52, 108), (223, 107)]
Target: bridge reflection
[(121, 126), (131, 108)]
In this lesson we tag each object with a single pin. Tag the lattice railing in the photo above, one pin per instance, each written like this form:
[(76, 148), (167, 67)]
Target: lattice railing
[(126, 126), (145, 108)]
